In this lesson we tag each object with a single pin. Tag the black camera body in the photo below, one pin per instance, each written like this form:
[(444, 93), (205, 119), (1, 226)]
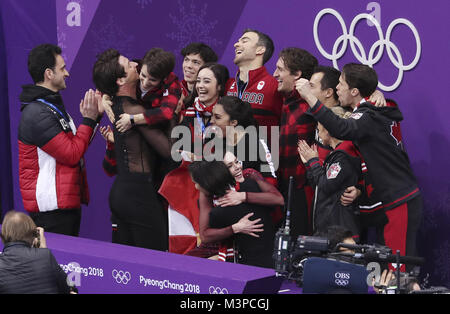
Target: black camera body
[(289, 254), (308, 246)]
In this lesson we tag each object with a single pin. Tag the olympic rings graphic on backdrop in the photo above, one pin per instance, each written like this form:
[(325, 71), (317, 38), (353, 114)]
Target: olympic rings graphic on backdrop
[(358, 50), (341, 282), (217, 290), (121, 277)]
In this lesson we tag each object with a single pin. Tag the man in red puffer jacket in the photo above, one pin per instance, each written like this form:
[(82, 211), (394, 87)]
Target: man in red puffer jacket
[(52, 175)]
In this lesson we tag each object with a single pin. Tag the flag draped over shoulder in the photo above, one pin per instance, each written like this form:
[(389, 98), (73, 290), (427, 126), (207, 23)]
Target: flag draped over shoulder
[(182, 196)]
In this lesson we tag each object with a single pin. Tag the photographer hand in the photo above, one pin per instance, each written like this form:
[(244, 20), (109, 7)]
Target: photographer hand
[(43, 242)]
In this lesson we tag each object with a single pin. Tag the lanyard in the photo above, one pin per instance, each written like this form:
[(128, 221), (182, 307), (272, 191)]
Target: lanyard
[(240, 89), (55, 108), (200, 122)]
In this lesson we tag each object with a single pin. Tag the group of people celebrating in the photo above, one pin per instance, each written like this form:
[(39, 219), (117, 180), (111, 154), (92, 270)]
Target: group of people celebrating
[(202, 165)]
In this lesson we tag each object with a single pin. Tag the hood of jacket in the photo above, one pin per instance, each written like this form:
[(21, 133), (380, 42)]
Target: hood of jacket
[(32, 92), (392, 113)]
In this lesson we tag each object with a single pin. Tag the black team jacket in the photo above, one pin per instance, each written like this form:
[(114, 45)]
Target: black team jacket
[(375, 133), (341, 169)]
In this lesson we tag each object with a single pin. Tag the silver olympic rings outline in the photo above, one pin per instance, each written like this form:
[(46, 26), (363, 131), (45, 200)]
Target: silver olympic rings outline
[(379, 45), (121, 277), (217, 290), (342, 282)]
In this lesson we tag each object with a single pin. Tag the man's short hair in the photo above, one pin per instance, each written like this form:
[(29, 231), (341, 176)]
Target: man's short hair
[(106, 72), (18, 227), (362, 77), (335, 234), (330, 78), (40, 58), (296, 59), (160, 63), (206, 52), (265, 41)]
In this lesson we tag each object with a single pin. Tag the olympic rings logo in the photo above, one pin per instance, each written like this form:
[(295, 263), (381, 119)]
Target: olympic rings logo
[(121, 277), (217, 290), (376, 51), (342, 282)]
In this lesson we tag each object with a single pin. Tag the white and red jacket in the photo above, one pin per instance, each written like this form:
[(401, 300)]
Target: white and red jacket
[(51, 167)]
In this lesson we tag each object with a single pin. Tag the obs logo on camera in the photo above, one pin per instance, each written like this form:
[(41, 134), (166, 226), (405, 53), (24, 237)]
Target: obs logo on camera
[(342, 279)]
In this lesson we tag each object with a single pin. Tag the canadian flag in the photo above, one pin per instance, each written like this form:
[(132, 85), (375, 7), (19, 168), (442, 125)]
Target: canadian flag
[(182, 196)]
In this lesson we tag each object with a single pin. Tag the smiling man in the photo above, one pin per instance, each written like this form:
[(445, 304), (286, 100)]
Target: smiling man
[(133, 192), (194, 56), (51, 167), (253, 83), (293, 64)]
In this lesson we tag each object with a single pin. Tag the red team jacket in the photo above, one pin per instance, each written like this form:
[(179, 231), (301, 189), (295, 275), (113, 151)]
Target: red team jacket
[(51, 167), (261, 92)]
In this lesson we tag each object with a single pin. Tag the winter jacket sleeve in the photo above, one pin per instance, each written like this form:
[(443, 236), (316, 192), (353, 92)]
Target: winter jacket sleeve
[(169, 103), (359, 125), (47, 132), (109, 161), (60, 276), (331, 177)]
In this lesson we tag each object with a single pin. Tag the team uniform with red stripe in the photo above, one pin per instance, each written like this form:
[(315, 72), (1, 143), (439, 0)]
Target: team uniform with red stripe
[(376, 134), (51, 166), (262, 94)]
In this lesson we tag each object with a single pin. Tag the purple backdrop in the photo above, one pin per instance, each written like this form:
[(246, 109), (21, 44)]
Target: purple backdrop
[(84, 28)]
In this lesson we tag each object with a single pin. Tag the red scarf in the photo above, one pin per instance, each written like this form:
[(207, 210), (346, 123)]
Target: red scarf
[(204, 111)]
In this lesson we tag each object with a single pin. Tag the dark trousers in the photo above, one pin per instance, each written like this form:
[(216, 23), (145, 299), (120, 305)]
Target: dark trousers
[(62, 221), (136, 210), (139, 236)]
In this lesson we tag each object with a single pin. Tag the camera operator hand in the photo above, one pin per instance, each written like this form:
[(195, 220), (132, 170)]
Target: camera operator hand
[(387, 277)]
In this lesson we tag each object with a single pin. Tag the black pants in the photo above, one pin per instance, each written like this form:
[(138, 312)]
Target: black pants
[(139, 236), (141, 220), (62, 221)]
